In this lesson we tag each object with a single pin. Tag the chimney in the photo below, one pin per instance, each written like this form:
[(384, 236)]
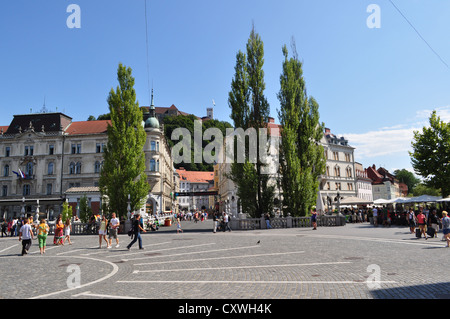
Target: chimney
[(271, 120), (327, 131)]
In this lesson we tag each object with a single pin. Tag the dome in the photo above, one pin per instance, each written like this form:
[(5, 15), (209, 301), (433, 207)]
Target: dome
[(152, 122)]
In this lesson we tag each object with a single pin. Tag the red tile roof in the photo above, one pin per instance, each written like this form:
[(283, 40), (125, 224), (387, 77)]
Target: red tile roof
[(88, 127), (195, 177)]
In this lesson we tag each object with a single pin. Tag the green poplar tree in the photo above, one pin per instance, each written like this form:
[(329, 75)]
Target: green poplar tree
[(124, 160), (250, 109), (302, 158)]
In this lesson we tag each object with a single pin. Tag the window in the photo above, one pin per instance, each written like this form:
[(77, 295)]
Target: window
[(50, 168), (76, 148), (100, 147), (152, 165), (337, 171), (97, 167), (5, 190), (336, 156), (78, 168), (152, 146), (6, 171), (29, 169), (7, 151), (49, 189), (26, 190), (51, 149), (157, 165), (72, 168), (328, 171)]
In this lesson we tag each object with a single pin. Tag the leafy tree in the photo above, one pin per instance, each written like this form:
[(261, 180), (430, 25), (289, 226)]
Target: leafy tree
[(302, 158), (91, 118), (422, 189), (106, 116), (84, 209), (431, 154), (124, 159), (407, 177), (250, 109), (66, 212)]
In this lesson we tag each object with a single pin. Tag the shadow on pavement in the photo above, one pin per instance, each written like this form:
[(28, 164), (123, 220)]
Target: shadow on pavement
[(439, 291)]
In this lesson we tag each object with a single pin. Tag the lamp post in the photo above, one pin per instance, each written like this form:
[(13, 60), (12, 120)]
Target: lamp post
[(23, 207), (129, 208), (37, 210)]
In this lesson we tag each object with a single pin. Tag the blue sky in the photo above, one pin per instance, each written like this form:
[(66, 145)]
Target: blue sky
[(374, 86)]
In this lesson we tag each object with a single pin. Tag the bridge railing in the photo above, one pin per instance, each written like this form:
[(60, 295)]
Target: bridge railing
[(286, 222)]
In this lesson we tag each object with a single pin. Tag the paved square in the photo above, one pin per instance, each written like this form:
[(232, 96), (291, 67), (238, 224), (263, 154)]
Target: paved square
[(356, 261)]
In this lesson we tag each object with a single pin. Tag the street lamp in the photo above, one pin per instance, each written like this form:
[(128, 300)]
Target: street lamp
[(23, 207), (37, 210)]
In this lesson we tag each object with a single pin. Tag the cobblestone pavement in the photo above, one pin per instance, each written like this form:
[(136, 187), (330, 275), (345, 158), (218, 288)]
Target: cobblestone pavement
[(356, 261)]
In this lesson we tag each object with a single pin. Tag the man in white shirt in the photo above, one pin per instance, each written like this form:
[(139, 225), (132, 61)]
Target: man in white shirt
[(114, 223), (25, 235), (375, 216)]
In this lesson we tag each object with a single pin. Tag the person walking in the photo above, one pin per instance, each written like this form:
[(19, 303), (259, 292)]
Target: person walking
[(137, 227), (226, 220), (102, 232), (375, 216), (4, 227), (433, 221), (179, 229), (411, 220), (314, 219), (67, 230), (267, 218), (446, 227), (215, 221), (42, 232), (59, 227), (113, 230), (25, 235), (422, 221)]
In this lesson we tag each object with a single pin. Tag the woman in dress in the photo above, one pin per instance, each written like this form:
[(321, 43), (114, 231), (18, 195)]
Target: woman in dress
[(67, 229), (102, 232), (59, 228)]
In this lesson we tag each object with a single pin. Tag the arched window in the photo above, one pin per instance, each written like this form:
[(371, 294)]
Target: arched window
[(72, 168), (29, 169), (157, 165), (78, 168)]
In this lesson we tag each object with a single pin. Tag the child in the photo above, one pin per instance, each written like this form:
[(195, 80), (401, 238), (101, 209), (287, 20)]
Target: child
[(179, 226), (67, 229)]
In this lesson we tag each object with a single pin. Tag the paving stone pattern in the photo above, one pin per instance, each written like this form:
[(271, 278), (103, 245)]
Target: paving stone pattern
[(295, 263)]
